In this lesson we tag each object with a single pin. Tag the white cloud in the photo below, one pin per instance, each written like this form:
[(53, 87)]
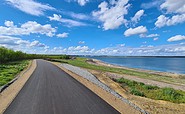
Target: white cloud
[(153, 3), (134, 31), (26, 29), (149, 36), (79, 50), (122, 45), (81, 42), (79, 16), (37, 43), (176, 38), (7, 40), (30, 6), (146, 50), (155, 38), (82, 2), (152, 35), (63, 35), (14, 42), (112, 15), (176, 9), (40, 48), (9, 23), (67, 22), (137, 16), (19, 44), (166, 21)]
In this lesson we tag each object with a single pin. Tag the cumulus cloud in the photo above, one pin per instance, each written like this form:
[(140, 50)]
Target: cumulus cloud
[(79, 16), (112, 14), (174, 7), (67, 22), (177, 9), (9, 41), (155, 38), (9, 23), (37, 43), (149, 36), (30, 6), (152, 35), (81, 42), (134, 31), (153, 3), (137, 16), (176, 38), (27, 28), (63, 35), (40, 48), (163, 50), (162, 20), (80, 2)]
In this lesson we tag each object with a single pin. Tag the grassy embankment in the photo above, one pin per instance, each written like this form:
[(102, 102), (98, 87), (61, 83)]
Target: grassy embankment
[(137, 88), (9, 70), (153, 92)]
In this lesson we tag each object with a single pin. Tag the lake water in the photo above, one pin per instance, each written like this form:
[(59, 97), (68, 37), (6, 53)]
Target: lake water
[(175, 65)]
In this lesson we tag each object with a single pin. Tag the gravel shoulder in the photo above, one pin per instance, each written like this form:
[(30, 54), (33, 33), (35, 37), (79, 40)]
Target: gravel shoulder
[(7, 96)]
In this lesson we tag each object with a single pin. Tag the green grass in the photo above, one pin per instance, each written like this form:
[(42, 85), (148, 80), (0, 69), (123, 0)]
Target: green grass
[(10, 70), (80, 62), (153, 92)]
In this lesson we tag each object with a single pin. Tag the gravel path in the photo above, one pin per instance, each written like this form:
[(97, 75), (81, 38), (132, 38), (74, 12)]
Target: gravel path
[(85, 74)]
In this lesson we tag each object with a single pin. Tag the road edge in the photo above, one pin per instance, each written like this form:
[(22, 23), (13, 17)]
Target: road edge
[(8, 95), (106, 96)]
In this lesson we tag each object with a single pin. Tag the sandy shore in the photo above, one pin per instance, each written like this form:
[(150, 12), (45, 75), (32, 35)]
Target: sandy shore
[(174, 75)]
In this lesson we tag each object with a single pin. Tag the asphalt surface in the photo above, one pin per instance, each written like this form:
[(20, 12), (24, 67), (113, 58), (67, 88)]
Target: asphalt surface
[(52, 91)]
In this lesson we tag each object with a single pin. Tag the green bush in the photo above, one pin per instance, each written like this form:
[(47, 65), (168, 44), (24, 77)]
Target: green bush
[(149, 87), (170, 94), (134, 91), (64, 57), (153, 92)]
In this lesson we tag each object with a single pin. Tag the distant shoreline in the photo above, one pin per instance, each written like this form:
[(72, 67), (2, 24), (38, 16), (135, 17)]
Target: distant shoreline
[(134, 56), (162, 73)]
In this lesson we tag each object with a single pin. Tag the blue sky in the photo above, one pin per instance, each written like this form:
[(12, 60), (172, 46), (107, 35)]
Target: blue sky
[(94, 27)]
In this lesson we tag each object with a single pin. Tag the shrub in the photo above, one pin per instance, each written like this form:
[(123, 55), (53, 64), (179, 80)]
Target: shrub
[(134, 91), (149, 87)]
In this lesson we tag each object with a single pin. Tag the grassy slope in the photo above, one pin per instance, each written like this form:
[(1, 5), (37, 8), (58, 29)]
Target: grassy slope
[(153, 92), (10, 70), (80, 62)]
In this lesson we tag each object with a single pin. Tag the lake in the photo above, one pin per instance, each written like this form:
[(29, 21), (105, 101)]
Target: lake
[(164, 64)]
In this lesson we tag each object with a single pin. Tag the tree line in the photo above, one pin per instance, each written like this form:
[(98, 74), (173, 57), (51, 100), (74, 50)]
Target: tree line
[(7, 55)]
